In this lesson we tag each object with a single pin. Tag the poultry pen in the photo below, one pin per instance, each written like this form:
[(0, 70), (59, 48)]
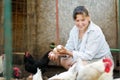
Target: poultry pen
[(22, 35)]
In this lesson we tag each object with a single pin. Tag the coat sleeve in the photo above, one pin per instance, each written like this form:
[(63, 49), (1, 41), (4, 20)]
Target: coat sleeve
[(70, 42)]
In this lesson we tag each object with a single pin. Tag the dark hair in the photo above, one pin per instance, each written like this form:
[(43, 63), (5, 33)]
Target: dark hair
[(80, 10)]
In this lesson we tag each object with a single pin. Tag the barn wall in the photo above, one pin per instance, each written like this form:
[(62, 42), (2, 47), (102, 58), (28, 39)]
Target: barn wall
[(103, 13), (46, 28)]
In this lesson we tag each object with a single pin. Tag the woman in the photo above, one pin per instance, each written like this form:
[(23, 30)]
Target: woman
[(86, 41)]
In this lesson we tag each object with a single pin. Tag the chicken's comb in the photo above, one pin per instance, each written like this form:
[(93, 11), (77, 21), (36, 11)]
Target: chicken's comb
[(16, 68), (108, 60), (27, 53)]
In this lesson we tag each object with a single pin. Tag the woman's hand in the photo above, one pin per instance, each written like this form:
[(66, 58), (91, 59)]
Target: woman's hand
[(60, 50), (52, 56)]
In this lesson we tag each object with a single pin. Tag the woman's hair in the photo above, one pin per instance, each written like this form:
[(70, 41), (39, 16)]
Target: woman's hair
[(80, 10)]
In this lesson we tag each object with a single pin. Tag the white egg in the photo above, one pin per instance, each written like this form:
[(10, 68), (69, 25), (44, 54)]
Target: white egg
[(52, 54), (59, 46)]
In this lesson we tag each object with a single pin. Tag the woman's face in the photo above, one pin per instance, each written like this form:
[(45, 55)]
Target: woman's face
[(82, 22)]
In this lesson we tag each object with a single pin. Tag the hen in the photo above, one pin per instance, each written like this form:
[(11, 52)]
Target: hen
[(31, 64), (117, 79), (38, 75), (16, 72), (96, 70), (1, 64)]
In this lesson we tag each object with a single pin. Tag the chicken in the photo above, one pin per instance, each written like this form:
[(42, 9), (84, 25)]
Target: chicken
[(96, 70), (67, 75), (107, 75), (31, 64), (117, 79), (43, 62), (38, 75), (16, 72), (1, 64)]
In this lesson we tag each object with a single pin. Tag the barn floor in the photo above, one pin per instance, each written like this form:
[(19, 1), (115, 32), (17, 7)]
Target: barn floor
[(52, 70)]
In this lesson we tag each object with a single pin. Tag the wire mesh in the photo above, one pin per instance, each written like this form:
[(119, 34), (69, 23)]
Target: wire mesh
[(19, 17)]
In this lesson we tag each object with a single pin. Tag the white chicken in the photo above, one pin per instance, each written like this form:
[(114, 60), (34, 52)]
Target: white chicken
[(67, 75), (117, 79), (1, 63), (38, 75), (99, 70)]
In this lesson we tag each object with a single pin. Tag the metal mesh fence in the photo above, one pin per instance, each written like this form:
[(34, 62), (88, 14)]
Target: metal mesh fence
[(19, 17), (23, 25)]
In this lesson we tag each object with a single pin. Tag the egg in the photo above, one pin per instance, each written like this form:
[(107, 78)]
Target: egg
[(59, 46), (52, 54)]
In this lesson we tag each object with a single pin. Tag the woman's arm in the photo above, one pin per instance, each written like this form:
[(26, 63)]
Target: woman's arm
[(70, 45)]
